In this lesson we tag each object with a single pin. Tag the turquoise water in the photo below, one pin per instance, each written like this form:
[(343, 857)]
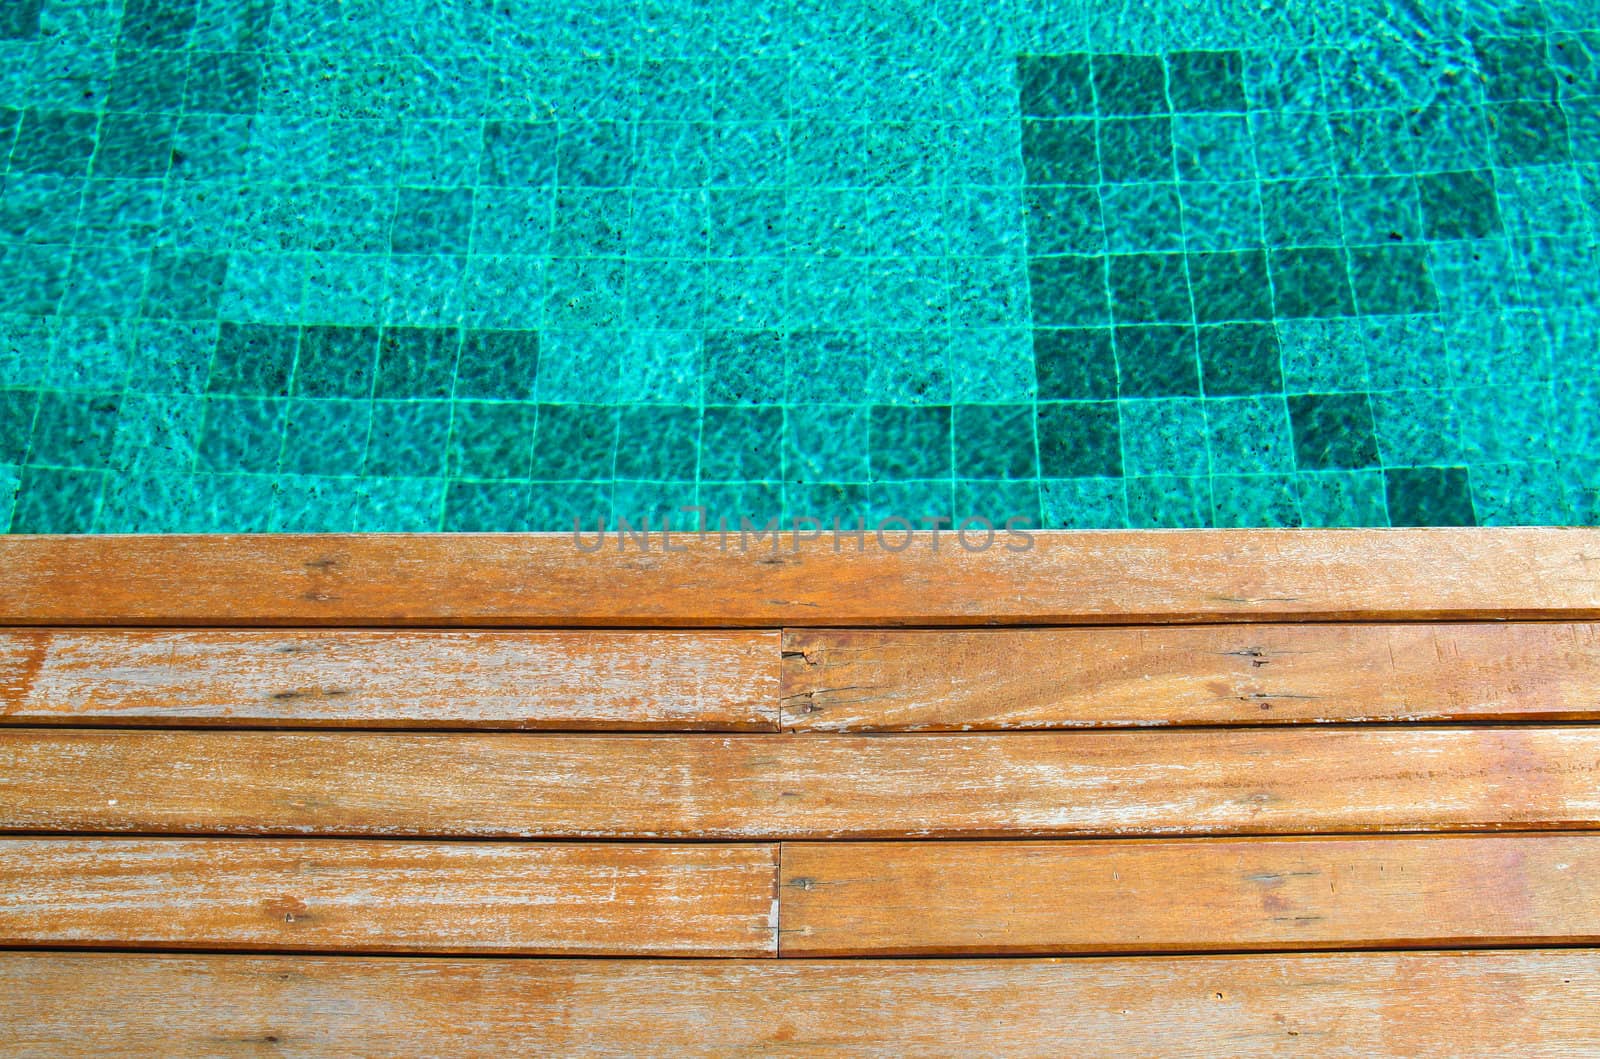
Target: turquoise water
[(401, 265)]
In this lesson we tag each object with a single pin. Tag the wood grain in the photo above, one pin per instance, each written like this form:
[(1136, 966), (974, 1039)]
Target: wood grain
[(966, 679), (513, 785), (555, 680), (1476, 1005), (702, 900), (543, 579), (841, 899)]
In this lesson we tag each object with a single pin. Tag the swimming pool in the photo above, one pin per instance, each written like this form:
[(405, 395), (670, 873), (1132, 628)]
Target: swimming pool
[(495, 266)]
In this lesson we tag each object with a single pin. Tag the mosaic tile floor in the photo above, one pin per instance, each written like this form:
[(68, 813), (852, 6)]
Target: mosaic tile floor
[(412, 266)]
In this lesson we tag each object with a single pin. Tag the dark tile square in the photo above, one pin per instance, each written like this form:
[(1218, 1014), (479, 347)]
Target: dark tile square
[(74, 429), (54, 141), (743, 367), (1064, 220), (909, 442), (19, 20), (1200, 81), (133, 145), (326, 437), (487, 507), (1068, 291), (409, 439), (1429, 496), (1149, 288), (1059, 151), (1240, 360), (491, 439), (1157, 362), (1230, 286), (595, 154), (336, 362), (1333, 431), (995, 441), (51, 500), (223, 83), (1074, 364), (498, 364), (17, 408), (658, 443), (184, 285), (575, 442), (1311, 282), (156, 23), (741, 444), (1301, 212), (1055, 86), (1079, 439), (1136, 150), (417, 361), (242, 435), (1529, 134), (1130, 84), (518, 154), (1459, 205), (148, 81), (431, 221), (1514, 68), (255, 360), (1392, 280)]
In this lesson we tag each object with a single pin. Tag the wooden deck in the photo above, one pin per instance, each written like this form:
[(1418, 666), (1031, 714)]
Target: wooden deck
[(1160, 793)]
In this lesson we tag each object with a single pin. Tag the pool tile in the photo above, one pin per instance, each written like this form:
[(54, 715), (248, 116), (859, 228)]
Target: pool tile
[(1156, 437), (1254, 500), (657, 442), (1529, 133), (1342, 498), (1206, 81), (1079, 439), (1311, 281), (326, 437), (1213, 147), (408, 439), (1240, 359), (476, 507), (502, 365), (1130, 150), (1069, 291), (1129, 84), (1060, 151), (1157, 362), (491, 439), (1459, 205), (1333, 431), (1055, 86), (20, 20), (1169, 502), (910, 442), (1230, 286), (431, 221), (253, 359), (54, 141), (56, 500), (223, 83), (1149, 288), (242, 434), (1064, 220), (1141, 217), (740, 443), (995, 441), (1225, 216), (1429, 496), (1515, 68), (1075, 364), (1249, 435), (133, 145)]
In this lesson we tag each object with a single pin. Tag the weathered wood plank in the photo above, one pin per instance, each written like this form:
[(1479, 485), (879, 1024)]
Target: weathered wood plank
[(1536, 1003), (543, 579), (460, 897), (725, 681), (950, 679), (841, 899), (514, 785)]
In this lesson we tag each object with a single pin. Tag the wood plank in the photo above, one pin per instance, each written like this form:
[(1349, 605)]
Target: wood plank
[(460, 897), (965, 679), (1471, 1004), (554, 680), (1107, 577), (514, 785), (1224, 894)]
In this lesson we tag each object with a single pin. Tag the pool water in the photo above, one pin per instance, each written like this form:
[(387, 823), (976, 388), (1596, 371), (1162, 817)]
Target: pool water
[(397, 265)]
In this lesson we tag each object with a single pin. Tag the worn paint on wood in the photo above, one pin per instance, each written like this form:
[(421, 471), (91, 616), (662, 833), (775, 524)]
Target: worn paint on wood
[(573, 680), (543, 579), (841, 899), (1475, 1005), (509, 785), (462, 897), (948, 679)]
